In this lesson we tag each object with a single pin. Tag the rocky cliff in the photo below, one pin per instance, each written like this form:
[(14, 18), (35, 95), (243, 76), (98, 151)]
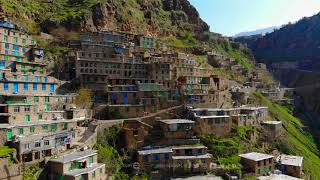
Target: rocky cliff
[(145, 16), (154, 17)]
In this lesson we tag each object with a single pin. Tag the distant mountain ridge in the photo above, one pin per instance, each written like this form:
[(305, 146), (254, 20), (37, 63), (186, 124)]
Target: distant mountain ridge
[(293, 42), (256, 32)]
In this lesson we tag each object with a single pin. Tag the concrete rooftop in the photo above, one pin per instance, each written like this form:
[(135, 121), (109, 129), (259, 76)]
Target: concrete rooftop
[(256, 156), (290, 160)]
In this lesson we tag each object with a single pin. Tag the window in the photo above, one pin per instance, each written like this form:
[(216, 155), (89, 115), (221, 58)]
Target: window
[(47, 99), (46, 107), (6, 86), (26, 146), (39, 116), (16, 47), (264, 162), (65, 126), (37, 144), (24, 41), (25, 86), (44, 79), (46, 142), (5, 38), (25, 78), (52, 88), (36, 99), (9, 134), (166, 156), (259, 171), (70, 167), (156, 157), (2, 64), (15, 39), (216, 121), (54, 127), (16, 109), (35, 86), (90, 160), (27, 117), (44, 87), (45, 127), (36, 79), (32, 128), (20, 131), (259, 163), (7, 46), (6, 57), (93, 175), (27, 108)]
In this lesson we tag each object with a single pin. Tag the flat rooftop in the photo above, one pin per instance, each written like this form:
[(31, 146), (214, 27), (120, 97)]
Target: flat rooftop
[(214, 109), (79, 172), (290, 160), (75, 156), (255, 156), (207, 117), (200, 146), (278, 177), (272, 122), (205, 156), (177, 121), (155, 151), (206, 177)]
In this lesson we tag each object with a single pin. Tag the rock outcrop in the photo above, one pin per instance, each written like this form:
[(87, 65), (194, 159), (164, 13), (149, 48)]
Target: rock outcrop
[(154, 17)]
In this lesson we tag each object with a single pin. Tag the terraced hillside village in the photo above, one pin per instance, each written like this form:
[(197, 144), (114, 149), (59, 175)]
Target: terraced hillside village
[(140, 89)]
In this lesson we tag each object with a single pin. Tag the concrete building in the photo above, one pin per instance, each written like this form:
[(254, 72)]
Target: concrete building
[(81, 165), (291, 165), (257, 163)]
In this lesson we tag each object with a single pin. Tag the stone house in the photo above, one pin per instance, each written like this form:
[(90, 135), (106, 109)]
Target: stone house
[(218, 125), (257, 163), (77, 166), (291, 165), (135, 132), (175, 160)]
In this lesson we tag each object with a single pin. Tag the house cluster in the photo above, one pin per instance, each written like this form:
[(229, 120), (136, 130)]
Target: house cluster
[(134, 75), (34, 119)]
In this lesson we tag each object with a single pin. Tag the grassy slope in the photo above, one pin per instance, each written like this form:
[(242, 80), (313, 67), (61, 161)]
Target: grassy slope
[(300, 142)]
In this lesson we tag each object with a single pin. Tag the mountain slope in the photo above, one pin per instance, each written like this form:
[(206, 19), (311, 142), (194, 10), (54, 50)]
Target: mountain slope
[(299, 41)]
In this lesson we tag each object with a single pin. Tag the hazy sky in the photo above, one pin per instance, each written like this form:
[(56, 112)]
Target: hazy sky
[(230, 17)]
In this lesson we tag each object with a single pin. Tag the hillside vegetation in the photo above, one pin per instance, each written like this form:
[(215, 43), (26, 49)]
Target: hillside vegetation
[(300, 142)]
